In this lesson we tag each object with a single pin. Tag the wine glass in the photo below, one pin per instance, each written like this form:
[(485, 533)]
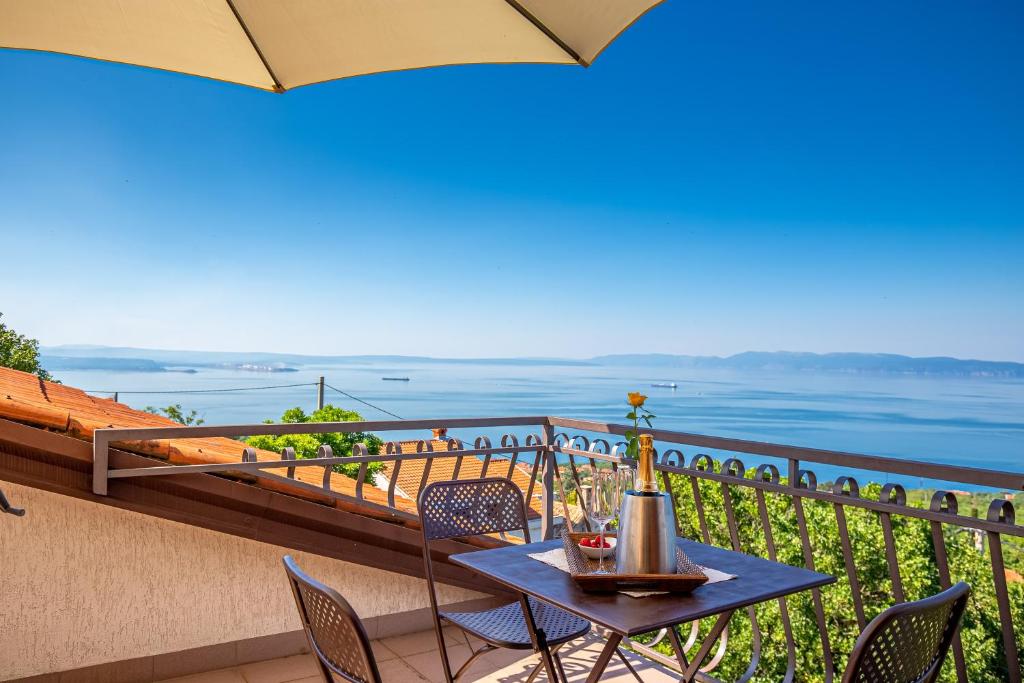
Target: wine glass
[(604, 504), (626, 477)]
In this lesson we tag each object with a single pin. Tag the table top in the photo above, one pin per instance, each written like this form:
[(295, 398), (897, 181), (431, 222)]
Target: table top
[(757, 580)]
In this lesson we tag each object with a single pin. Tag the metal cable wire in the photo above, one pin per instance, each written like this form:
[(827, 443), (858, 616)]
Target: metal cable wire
[(221, 391), (354, 398), (202, 391)]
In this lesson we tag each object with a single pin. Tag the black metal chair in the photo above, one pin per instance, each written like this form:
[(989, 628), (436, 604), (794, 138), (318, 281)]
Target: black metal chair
[(908, 643), (455, 509), (335, 633)]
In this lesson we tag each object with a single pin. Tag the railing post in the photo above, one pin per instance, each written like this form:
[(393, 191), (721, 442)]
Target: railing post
[(100, 457), (547, 515), (320, 394)]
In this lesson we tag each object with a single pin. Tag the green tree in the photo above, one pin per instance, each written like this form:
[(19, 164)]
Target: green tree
[(981, 631), (177, 413), (19, 352), (306, 445)]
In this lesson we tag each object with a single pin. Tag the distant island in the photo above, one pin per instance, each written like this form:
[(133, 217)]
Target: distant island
[(161, 360), (257, 367), (109, 364), (120, 364)]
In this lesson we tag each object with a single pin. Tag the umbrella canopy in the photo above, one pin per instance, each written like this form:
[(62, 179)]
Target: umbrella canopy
[(281, 44)]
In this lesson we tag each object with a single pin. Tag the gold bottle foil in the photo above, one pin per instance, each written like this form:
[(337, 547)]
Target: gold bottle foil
[(645, 479)]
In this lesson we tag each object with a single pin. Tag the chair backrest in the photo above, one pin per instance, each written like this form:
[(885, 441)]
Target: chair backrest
[(453, 509), (334, 631), (908, 643)]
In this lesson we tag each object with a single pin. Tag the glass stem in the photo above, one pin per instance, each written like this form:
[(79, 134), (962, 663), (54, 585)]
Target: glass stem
[(600, 567)]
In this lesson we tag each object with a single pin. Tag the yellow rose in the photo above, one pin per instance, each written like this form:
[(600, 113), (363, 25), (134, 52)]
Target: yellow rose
[(636, 399)]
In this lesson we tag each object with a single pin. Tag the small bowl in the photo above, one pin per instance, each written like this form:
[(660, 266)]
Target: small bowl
[(597, 553)]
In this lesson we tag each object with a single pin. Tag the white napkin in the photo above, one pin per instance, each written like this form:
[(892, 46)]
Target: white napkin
[(556, 558)]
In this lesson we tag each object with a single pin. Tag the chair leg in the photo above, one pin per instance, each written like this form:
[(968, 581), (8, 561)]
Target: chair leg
[(540, 665), (472, 658), (442, 650), (538, 639), (561, 669), (536, 670)]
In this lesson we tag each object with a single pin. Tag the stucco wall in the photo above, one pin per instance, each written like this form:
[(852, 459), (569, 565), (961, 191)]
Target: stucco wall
[(83, 584)]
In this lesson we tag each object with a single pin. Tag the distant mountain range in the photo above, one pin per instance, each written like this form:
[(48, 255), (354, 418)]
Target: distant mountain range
[(161, 360), (789, 361)]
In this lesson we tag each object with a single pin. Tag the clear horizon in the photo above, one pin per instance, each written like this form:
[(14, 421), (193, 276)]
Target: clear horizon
[(258, 352), (724, 178)]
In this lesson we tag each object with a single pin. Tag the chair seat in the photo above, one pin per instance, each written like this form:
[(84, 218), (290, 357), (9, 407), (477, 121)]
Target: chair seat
[(505, 626)]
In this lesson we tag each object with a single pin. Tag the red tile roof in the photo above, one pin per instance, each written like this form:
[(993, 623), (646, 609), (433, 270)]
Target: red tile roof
[(27, 399), (410, 474)]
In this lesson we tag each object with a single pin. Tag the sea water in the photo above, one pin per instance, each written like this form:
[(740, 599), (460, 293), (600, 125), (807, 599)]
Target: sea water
[(976, 422)]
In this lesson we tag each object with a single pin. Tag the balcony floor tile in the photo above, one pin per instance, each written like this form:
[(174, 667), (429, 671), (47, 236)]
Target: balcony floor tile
[(422, 664)]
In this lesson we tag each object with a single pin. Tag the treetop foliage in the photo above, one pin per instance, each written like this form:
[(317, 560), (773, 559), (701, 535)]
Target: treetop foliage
[(306, 445), (19, 352)]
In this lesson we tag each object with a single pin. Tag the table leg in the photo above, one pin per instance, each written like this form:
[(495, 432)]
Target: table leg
[(678, 649), (606, 655), (540, 642), (692, 669)]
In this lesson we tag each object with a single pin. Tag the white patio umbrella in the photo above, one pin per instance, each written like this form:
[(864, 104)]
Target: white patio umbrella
[(282, 44)]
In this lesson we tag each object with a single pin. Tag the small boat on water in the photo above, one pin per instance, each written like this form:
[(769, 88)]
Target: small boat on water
[(664, 385), (395, 379)]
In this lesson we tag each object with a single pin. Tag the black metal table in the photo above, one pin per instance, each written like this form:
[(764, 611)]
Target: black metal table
[(757, 580)]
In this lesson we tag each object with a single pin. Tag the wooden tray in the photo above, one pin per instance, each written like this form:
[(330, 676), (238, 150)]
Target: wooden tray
[(582, 569)]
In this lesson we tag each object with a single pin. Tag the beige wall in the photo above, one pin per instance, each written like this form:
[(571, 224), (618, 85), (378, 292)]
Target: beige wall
[(83, 584)]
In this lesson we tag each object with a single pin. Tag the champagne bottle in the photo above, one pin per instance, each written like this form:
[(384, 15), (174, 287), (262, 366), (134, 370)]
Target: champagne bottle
[(645, 479)]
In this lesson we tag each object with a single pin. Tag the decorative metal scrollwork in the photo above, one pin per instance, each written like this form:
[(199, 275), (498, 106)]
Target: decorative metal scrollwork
[(767, 472), (360, 449), (846, 486), (579, 437), (733, 467), (893, 494), (1001, 511), (806, 479), (944, 501), (325, 451), (703, 462), (481, 443), (249, 454), (288, 453), (673, 458)]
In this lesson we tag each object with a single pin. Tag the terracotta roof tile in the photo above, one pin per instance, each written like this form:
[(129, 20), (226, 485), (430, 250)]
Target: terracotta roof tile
[(27, 399), (410, 474)]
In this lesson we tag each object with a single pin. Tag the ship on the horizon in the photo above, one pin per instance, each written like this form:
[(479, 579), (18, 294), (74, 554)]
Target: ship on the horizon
[(395, 379), (664, 385)]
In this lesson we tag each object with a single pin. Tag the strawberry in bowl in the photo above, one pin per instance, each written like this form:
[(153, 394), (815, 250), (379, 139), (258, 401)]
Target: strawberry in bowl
[(592, 548)]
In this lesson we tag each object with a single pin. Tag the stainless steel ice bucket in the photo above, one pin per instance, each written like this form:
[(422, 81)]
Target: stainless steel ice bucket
[(646, 539)]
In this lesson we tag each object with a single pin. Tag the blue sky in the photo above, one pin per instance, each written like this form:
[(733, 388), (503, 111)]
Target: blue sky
[(728, 176)]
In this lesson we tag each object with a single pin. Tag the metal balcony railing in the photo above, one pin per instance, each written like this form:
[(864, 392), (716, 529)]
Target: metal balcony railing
[(722, 503)]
